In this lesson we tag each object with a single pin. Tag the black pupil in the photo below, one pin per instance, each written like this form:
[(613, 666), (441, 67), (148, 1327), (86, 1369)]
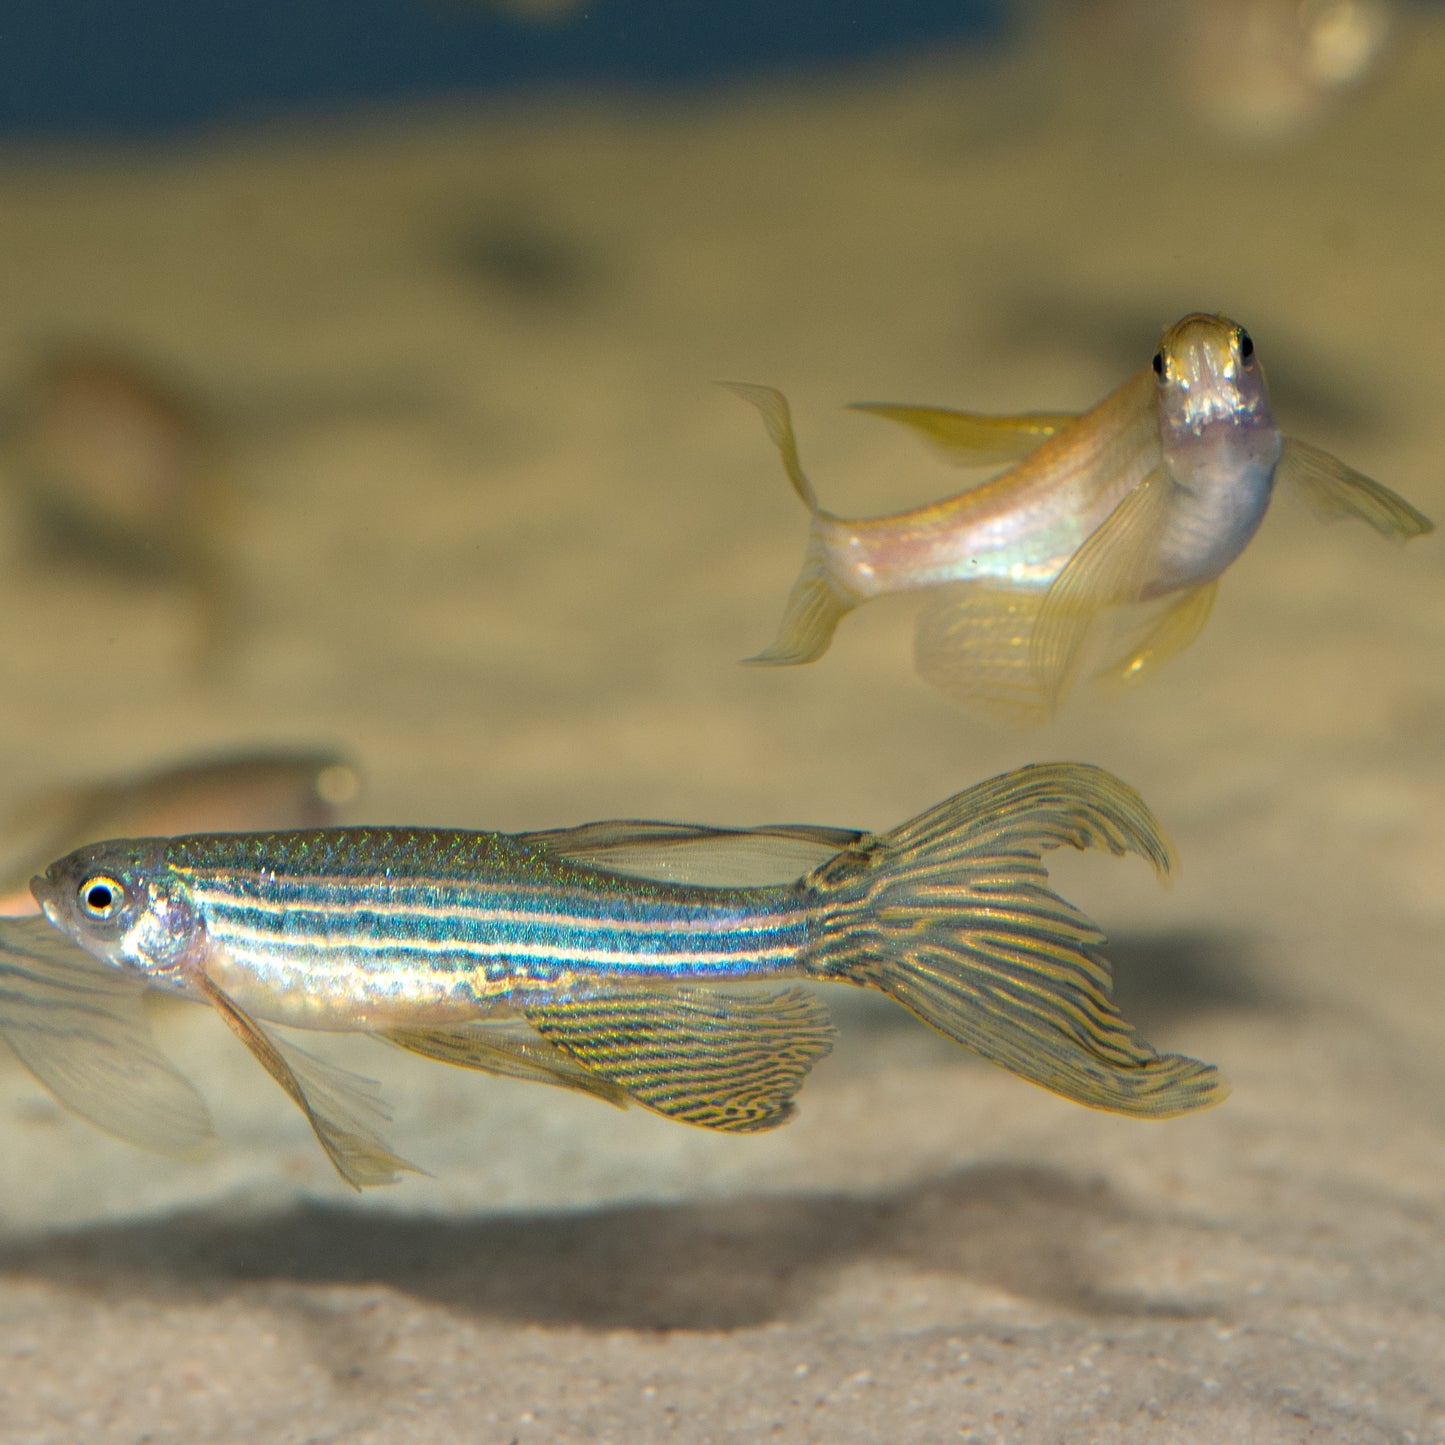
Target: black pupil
[(99, 897), (1246, 346), (1158, 363)]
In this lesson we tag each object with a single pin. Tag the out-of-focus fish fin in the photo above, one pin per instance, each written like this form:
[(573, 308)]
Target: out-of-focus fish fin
[(972, 643), (685, 853), (1108, 570), (951, 915), (511, 1050), (712, 1057), (972, 439), (819, 598), (1332, 490), (1174, 630), (80, 1027), (343, 1109)]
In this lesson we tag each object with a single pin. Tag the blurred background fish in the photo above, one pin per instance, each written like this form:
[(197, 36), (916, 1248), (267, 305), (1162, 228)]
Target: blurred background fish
[(114, 464), (238, 792)]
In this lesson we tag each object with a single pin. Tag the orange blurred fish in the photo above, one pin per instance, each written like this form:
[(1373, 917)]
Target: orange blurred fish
[(1149, 497), (234, 793)]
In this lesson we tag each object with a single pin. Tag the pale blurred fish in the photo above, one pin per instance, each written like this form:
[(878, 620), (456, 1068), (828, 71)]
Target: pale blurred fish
[(117, 466), (594, 960), (234, 792), (1147, 498)]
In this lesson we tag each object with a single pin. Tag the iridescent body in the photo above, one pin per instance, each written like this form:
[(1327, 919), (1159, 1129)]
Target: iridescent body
[(591, 958), (1149, 497)]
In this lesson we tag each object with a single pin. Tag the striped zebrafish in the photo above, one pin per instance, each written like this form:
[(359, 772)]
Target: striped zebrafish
[(594, 959)]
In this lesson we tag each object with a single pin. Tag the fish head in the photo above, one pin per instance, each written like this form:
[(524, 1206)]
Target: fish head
[(1208, 374), (123, 904), (1216, 431)]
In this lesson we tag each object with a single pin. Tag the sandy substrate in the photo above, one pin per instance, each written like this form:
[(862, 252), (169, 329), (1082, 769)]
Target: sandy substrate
[(496, 533)]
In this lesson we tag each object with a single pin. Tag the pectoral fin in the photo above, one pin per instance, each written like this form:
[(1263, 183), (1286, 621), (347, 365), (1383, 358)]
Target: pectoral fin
[(80, 1027), (342, 1108), (711, 1057), (1332, 490), (1172, 631), (511, 1050), (1108, 570), (973, 439)]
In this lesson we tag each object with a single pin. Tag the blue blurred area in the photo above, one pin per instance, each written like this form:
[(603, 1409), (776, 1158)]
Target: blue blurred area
[(83, 67)]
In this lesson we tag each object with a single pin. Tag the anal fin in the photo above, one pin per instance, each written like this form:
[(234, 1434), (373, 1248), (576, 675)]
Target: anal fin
[(713, 1057), (511, 1050), (972, 643)]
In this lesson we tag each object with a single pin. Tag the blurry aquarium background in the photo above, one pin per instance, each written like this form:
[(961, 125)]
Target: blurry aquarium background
[(358, 404)]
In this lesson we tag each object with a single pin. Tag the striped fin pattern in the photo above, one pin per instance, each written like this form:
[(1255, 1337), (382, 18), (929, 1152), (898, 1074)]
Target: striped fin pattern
[(716, 1058), (80, 1027), (951, 916), (510, 1050)]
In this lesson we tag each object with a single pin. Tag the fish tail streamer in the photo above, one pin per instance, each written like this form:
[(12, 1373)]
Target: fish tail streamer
[(820, 596), (951, 916)]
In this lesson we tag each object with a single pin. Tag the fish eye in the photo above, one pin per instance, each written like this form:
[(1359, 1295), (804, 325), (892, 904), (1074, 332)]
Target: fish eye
[(1159, 365), (101, 897), (1246, 347)]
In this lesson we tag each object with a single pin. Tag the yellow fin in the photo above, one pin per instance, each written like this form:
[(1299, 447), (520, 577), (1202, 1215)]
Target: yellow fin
[(972, 643), (973, 439), (712, 1057), (80, 1027), (1171, 632), (951, 915), (343, 1109), (772, 406), (510, 1050), (1109, 569), (1333, 490)]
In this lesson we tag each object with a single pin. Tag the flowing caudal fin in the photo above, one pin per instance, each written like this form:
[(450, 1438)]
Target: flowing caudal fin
[(718, 1058), (973, 439), (972, 643), (951, 915), (1333, 490), (819, 598), (344, 1109), (511, 1050), (80, 1027)]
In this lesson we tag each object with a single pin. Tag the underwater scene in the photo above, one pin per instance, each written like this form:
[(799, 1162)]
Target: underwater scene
[(617, 613)]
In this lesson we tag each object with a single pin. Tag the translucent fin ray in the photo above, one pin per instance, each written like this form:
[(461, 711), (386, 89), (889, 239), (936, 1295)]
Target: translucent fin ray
[(1170, 634), (1108, 570), (687, 853), (971, 642), (80, 1027), (343, 1109), (1334, 491)]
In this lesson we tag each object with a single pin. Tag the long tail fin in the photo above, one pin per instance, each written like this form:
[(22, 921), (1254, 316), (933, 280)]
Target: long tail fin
[(819, 597), (951, 915)]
